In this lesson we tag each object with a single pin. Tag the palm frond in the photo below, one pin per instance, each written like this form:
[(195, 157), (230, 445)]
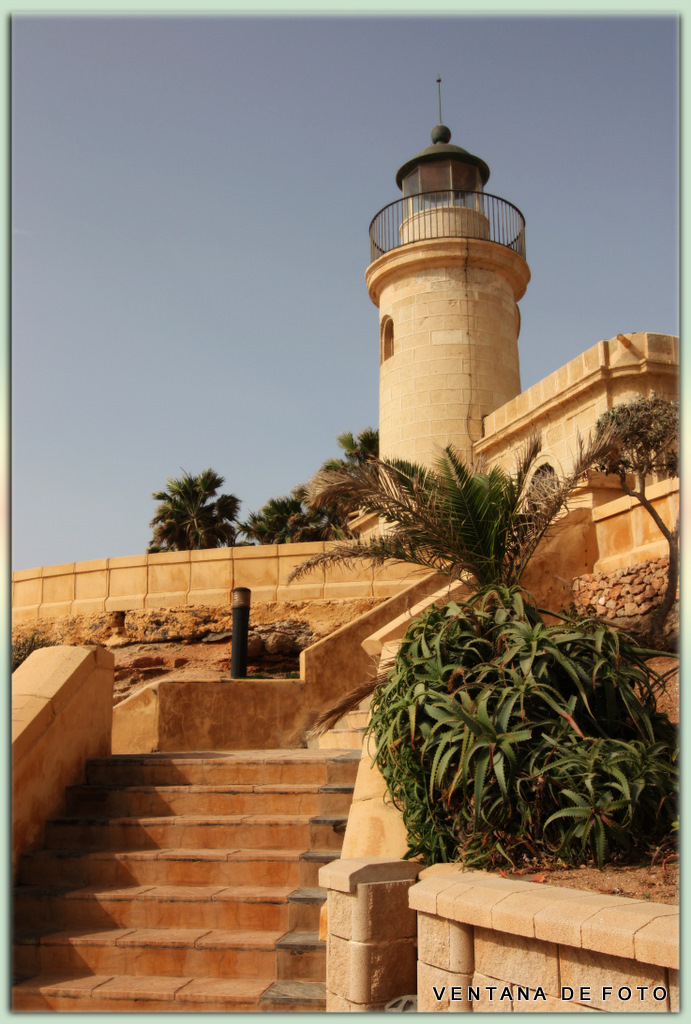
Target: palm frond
[(348, 702), (468, 523)]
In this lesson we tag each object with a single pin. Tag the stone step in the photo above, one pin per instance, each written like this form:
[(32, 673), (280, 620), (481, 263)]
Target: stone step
[(191, 831), (345, 739), (305, 906), (310, 863), (301, 956), (184, 883), (235, 767), (125, 993), (348, 733), (353, 720), (80, 868), (294, 997), (172, 952), (157, 801), (157, 906), (246, 907)]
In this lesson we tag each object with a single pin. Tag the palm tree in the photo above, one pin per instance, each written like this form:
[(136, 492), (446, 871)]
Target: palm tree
[(358, 449), (187, 518), (479, 525), (293, 519), (288, 520), (275, 521)]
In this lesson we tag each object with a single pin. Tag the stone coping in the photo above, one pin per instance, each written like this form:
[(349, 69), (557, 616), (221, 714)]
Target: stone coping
[(44, 685), (396, 628), (652, 353), (345, 875), (637, 929)]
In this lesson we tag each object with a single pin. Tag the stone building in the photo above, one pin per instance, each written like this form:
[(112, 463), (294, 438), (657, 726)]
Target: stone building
[(448, 268), (188, 873)]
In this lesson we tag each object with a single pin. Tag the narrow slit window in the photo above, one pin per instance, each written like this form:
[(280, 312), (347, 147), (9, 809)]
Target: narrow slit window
[(386, 338)]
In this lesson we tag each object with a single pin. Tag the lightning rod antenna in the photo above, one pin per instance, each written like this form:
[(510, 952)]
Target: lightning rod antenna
[(439, 93)]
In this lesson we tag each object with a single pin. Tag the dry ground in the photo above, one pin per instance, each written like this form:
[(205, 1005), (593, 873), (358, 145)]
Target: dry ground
[(657, 882)]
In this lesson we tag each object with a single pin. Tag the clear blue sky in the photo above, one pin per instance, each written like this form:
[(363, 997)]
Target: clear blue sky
[(191, 199)]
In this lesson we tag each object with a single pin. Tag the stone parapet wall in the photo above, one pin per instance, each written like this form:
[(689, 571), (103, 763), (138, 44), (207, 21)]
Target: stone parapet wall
[(622, 593), (489, 944), (340, 661), (185, 578), (62, 713), (626, 533), (371, 955), (492, 944), (569, 401), (230, 714)]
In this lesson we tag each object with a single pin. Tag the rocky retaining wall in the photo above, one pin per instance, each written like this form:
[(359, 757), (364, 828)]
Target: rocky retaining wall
[(186, 641), (622, 593)]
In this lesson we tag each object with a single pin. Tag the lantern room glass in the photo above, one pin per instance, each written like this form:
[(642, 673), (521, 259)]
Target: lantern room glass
[(441, 176)]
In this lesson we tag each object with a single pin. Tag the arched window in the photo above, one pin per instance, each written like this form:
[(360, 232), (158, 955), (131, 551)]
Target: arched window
[(543, 482), (386, 341), (538, 504), (545, 476)]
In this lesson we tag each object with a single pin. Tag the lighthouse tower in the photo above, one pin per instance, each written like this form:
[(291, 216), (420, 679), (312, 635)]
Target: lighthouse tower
[(447, 270)]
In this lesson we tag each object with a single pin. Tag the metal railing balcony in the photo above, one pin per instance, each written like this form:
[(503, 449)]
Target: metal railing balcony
[(447, 214)]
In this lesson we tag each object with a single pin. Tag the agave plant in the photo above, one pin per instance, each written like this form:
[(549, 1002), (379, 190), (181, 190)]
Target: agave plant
[(500, 737), (606, 788)]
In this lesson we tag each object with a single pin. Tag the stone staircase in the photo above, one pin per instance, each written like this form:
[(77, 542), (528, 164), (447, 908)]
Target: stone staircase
[(349, 732), (184, 882)]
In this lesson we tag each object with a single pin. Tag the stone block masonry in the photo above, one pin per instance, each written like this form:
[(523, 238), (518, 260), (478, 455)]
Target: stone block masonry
[(622, 593), (489, 944), (62, 713), (569, 401), (175, 579), (518, 946), (371, 949), (450, 304)]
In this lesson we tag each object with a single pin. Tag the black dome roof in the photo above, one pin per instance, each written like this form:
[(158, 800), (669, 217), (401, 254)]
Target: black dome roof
[(442, 149)]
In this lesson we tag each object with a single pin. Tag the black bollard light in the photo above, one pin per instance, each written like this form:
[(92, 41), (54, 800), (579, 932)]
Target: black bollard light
[(241, 622)]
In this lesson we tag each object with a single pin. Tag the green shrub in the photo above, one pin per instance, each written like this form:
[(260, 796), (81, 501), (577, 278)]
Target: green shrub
[(21, 649), (502, 738)]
